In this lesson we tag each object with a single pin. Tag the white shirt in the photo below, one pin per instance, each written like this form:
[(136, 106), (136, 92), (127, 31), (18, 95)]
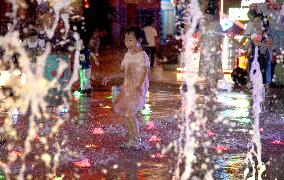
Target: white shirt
[(150, 34)]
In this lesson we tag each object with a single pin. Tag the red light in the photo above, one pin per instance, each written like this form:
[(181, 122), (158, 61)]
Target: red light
[(154, 139), (37, 137), (83, 163), (210, 133), (87, 5), (278, 142), (221, 149)]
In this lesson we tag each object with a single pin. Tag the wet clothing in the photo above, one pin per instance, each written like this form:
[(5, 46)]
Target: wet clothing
[(85, 58), (85, 70), (129, 99)]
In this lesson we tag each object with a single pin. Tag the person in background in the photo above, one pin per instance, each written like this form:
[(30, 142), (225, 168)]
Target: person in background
[(264, 42), (34, 46), (249, 27), (85, 67), (210, 64), (95, 41), (151, 39)]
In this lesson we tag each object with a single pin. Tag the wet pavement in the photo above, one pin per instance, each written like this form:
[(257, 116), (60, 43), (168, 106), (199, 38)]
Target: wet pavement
[(92, 133)]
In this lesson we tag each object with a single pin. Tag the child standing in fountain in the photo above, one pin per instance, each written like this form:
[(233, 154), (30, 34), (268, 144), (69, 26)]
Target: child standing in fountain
[(85, 67), (132, 97)]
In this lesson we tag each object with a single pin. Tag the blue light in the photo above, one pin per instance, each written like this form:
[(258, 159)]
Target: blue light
[(226, 24), (15, 116)]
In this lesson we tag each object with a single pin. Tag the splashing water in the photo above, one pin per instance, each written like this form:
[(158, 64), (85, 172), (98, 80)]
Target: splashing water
[(258, 97), (191, 118), (30, 96)]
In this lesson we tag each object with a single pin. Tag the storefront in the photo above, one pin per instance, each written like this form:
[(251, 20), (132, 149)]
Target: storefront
[(168, 15)]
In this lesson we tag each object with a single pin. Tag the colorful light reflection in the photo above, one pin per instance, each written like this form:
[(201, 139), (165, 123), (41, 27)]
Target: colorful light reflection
[(230, 167)]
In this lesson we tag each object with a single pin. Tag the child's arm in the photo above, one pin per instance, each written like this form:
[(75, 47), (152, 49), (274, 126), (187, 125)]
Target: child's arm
[(142, 79), (95, 58), (114, 76), (145, 64)]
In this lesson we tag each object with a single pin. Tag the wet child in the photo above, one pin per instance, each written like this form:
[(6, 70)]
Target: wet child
[(85, 67), (132, 97)]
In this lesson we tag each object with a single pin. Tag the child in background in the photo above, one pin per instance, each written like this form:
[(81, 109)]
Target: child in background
[(34, 46), (95, 41), (132, 97), (85, 67)]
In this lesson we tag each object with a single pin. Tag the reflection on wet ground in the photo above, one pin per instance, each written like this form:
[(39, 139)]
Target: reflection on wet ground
[(92, 134)]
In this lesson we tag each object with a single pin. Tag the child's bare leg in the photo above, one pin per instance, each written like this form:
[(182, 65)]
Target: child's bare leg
[(129, 129), (132, 126)]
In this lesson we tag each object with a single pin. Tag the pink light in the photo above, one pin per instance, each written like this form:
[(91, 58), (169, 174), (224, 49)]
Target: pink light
[(154, 139), (278, 142), (37, 137), (210, 133), (261, 129), (98, 131), (157, 155), (221, 148), (150, 125), (83, 163)]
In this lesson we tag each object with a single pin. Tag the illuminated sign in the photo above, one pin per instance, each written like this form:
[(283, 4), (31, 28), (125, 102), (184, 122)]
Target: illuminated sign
[(238, 14), (249, 2), (226, 24)]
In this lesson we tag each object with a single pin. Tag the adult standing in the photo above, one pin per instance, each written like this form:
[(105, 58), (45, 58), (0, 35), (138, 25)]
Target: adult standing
[(210, 64), (152, 40)]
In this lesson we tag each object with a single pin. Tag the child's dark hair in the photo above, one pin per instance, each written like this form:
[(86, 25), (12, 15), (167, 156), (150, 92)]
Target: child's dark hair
[(138, 33), (85, 41)]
